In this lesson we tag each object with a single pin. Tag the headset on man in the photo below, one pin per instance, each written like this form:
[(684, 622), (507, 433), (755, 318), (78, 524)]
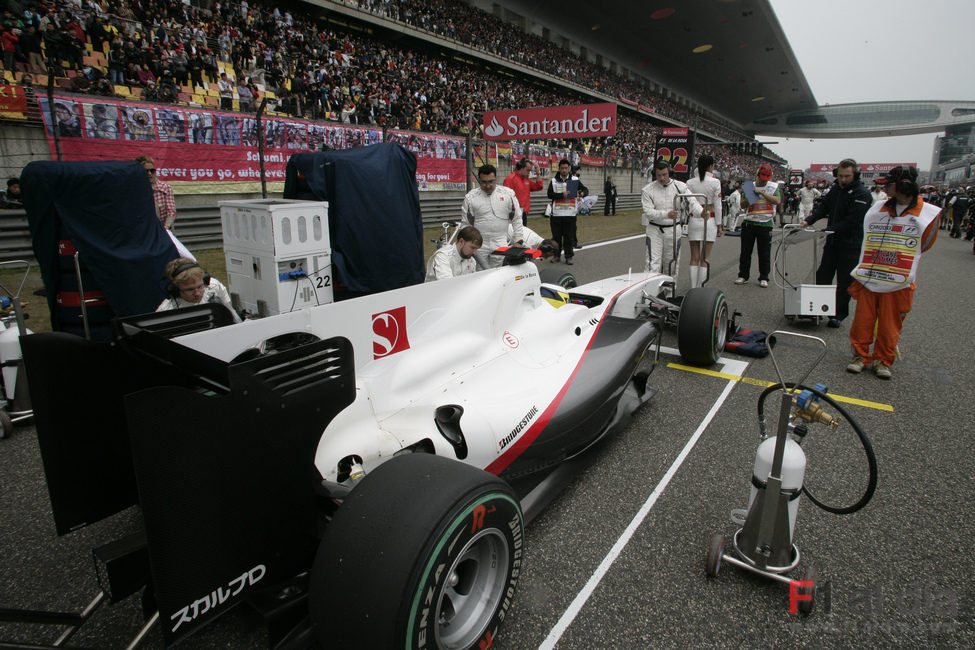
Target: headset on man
[(172, 290)]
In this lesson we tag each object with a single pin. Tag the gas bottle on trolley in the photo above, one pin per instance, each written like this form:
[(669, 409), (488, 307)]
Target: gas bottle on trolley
[(764, 543)]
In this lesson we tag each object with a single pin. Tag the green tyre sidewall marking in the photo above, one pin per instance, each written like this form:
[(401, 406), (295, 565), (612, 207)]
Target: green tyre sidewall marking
[(462, 519)]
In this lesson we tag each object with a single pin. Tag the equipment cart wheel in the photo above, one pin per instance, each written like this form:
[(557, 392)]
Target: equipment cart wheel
[(702, 325), (6, 424), (557, 276), (809, 575), (424, 552), (712, 564)]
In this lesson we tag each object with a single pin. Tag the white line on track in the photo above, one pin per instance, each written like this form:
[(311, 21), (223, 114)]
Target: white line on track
[(612, 241), (730, 366)]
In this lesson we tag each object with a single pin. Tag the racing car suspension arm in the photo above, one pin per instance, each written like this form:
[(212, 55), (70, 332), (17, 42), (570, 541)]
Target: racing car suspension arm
[(73, 620)]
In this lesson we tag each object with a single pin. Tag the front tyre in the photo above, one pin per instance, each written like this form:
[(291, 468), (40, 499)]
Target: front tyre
[(562, 278), (702, 325), (424, 553)]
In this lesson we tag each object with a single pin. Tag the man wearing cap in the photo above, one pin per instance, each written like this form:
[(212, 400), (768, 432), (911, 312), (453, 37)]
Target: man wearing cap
[(844, 206), (897, 232), (520, 181), (759, 198)]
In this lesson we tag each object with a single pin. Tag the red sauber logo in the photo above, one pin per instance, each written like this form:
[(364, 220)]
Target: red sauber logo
[(389, 333)]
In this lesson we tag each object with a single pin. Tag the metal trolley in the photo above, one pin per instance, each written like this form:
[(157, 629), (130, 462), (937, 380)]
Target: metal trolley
[(799, 300)]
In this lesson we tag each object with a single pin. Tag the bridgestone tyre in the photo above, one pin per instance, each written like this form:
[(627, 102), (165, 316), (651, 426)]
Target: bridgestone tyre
[(424, 553), (557, 276), (702, 325)]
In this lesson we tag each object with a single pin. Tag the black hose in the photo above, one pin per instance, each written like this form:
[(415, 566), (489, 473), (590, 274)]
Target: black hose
[(864, 442)]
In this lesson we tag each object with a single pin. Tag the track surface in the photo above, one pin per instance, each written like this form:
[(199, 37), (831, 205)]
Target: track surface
[(617, 561)]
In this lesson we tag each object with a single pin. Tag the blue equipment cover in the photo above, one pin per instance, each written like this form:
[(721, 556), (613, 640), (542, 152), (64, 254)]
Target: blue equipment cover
[(107, 211), (373, 211)]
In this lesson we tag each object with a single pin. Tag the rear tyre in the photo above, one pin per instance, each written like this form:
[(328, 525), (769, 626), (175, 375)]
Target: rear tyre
[(424, 553), (702, 325), (556, 276), (6, 424)]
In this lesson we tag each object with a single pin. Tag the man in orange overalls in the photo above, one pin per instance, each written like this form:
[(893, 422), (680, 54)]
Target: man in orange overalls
[(895, 234)]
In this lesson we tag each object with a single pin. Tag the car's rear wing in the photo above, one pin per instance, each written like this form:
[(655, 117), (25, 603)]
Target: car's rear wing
[(218, 454)]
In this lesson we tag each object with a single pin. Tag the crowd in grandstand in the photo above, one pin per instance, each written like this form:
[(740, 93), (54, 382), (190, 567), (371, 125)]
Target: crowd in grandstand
[(165, 47)]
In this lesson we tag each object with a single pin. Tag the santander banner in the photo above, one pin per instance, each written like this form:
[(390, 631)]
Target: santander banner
[(584, 121)]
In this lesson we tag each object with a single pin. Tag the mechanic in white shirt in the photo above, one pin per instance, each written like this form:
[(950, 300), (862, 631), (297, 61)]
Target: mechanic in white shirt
[(457, 258), (549, 247), (708, 226), (659, 217), (491, 208), (190, 285), (807, 197), (734, 207), (878, 194)]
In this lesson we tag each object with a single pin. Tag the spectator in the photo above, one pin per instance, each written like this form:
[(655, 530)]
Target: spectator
[(179, 64), (162, 194), (195, 68), (145, 76), (30, 46), (10, 39), (11, 198), (116, 64), (245, 95), (226, 92)]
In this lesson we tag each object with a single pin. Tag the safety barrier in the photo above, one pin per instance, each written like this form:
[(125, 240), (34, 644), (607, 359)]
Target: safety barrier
[(199, 227)]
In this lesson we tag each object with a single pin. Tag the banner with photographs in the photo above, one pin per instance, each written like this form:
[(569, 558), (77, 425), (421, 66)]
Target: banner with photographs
[(201, 151), (444, 159)]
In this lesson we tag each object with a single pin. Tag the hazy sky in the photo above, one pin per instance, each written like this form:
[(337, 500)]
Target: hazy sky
[(862, 51)]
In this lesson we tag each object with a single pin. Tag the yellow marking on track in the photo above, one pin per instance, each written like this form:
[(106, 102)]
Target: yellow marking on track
[(880, 406)]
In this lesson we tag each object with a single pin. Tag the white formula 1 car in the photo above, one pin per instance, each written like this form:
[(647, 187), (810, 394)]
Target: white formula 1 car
[(379, 455)]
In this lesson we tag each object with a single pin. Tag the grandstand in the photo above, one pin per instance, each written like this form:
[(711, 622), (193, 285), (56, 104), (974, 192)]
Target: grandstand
[(422, 65)]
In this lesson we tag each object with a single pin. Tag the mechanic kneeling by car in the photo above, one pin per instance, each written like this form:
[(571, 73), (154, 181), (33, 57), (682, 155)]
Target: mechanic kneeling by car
[(189, 285), (457, 258)]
